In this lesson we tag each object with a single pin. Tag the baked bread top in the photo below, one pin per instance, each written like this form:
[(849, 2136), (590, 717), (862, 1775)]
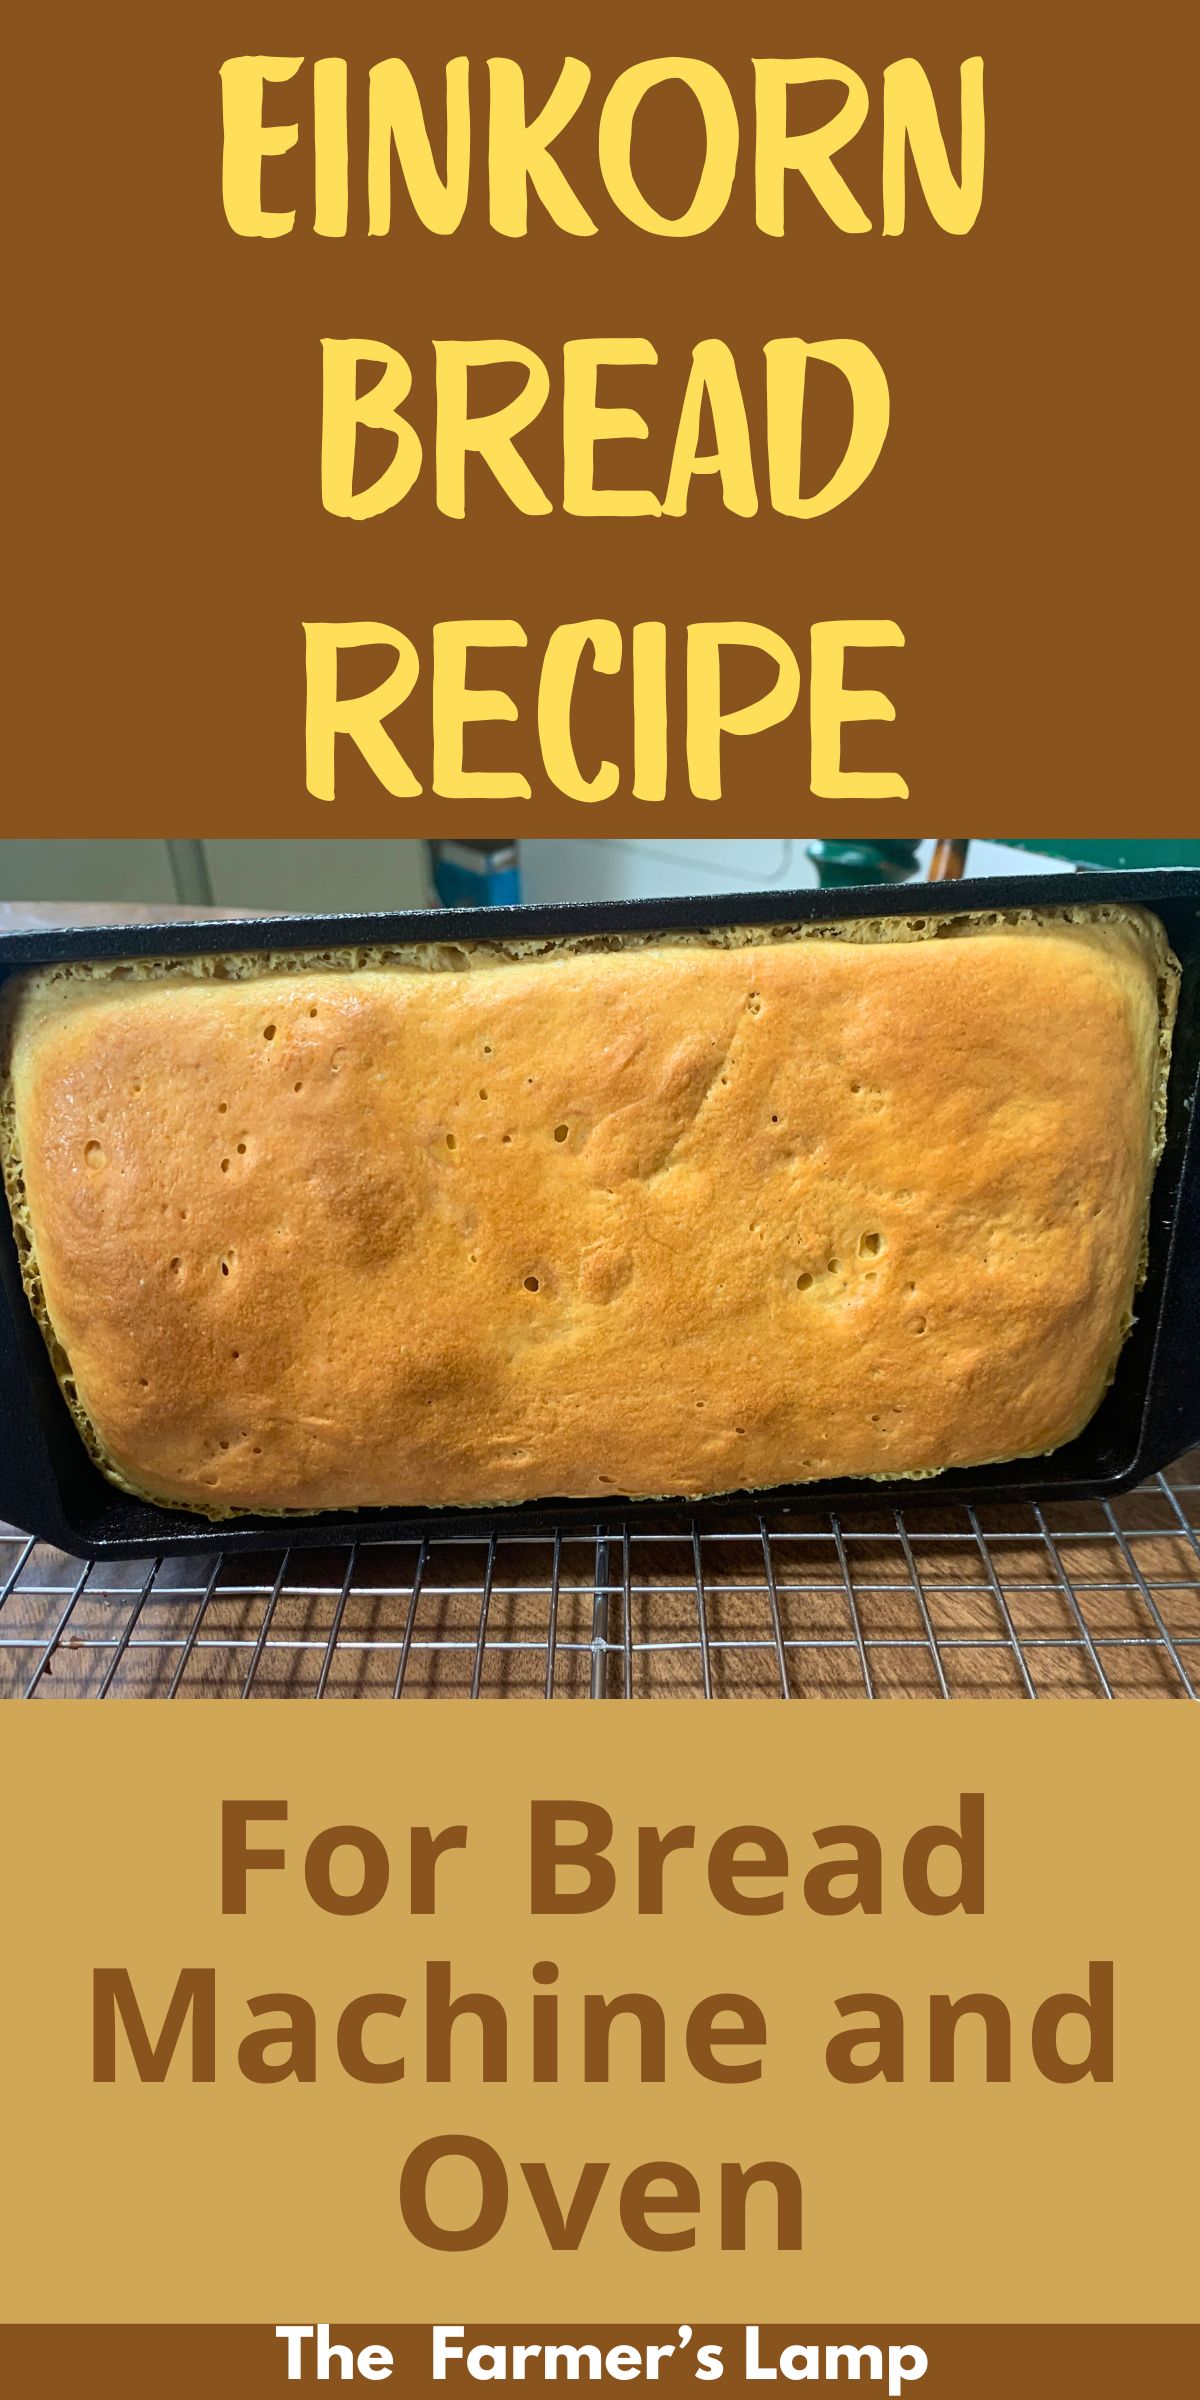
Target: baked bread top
[(667, 1216)]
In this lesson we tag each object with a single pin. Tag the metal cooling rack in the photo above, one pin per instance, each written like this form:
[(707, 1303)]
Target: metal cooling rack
[(1091, 1600)]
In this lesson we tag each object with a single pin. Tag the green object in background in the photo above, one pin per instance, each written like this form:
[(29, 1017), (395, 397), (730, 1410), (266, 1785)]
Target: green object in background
[(864, 862), (896, 862)]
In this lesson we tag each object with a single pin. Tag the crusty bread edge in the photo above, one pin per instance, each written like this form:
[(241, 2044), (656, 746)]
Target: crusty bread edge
[(457, 957)]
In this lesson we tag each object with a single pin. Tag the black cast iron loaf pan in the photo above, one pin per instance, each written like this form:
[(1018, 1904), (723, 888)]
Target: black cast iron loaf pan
[(49, 1485)]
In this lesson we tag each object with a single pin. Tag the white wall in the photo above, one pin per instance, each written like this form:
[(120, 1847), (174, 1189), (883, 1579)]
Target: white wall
[(328, 876), (324, 876), (85, 871), (613, 870)]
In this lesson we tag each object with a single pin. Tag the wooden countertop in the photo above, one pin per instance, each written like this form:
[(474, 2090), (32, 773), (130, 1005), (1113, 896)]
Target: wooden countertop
[(1103, 1566)]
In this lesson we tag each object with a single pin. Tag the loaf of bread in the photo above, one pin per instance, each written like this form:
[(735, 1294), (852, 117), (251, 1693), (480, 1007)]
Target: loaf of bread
[(650, 1216)]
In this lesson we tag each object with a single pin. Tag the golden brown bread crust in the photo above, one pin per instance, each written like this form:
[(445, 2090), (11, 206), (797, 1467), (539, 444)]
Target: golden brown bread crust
[(674, 1217)]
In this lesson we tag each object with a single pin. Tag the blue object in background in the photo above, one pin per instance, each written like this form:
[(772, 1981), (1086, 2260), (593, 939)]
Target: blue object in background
[(475, 874)]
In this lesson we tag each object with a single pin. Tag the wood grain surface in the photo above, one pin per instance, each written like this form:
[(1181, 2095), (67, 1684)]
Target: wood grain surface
[(1002, 1597)]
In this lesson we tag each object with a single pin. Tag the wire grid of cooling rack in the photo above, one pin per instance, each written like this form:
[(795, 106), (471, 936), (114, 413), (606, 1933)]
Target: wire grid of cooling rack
[(1086, 1600)]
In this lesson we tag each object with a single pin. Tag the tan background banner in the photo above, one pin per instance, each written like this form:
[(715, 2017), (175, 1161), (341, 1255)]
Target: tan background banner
[(1022, 526), (1027, 2200)]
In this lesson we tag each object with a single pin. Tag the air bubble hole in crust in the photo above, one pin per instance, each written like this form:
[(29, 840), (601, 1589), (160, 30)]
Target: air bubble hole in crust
[(451, 1141), (532, 1283), (268, 1033), (870, 1245), (804, 1283), (834, 1265), (224, 1166), (93, 1155), (222, 1108), (561, 1132), (918, 1324)]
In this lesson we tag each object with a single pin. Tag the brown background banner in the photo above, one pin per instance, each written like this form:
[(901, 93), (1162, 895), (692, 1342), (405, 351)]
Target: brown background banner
[(1023, 525), (990, 2362)]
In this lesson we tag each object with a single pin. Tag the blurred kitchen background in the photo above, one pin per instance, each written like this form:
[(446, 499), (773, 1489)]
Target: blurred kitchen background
[(332, 875)]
